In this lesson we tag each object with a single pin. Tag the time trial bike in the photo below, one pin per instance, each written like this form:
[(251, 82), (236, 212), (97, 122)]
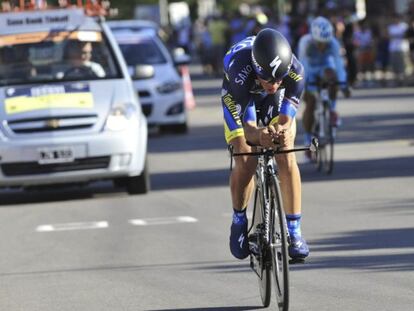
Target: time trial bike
[(268, 234)]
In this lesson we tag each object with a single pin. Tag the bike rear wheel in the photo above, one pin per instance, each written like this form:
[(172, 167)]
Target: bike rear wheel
[(279, 247)]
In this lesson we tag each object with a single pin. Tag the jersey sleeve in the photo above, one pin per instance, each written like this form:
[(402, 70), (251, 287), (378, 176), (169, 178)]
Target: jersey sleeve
[(238, 77), (294, 83)]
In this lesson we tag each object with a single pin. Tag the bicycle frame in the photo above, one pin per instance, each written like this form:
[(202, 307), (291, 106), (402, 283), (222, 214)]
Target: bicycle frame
[(268, 241)]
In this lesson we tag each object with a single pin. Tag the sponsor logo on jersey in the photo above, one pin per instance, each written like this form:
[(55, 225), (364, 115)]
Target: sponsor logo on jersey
[(243, 75), (233, 108), (295, 76)]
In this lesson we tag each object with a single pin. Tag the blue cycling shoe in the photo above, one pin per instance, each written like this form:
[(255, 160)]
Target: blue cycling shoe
[(298, 248), (239, 243)]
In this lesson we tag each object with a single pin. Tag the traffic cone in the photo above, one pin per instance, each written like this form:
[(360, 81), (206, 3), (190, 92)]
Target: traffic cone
[(188, 88)]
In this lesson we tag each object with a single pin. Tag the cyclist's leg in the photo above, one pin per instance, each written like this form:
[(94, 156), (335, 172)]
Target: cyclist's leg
[(290, 184), (241, 177), (330, 75), (308, 117)]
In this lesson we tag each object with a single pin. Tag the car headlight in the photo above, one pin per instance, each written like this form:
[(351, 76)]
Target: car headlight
[(119, 117), (169, 87)]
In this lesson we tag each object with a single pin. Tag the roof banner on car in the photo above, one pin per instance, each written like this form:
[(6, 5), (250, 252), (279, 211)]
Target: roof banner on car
[(36, 37), (17, 22)]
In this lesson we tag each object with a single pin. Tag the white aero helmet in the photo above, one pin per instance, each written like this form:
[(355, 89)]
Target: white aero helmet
[(321, 30)]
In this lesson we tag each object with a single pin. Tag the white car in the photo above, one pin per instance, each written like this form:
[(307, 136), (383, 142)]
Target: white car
[(133, 25), (69, 110), (156, 78)]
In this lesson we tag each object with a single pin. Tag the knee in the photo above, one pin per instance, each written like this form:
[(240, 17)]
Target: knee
[(245, 164), (286, 162)]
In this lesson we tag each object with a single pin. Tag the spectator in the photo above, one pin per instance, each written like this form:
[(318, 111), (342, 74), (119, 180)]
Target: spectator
[(410, 37), (399, 49), (364, 44), (347, 38), (218, 30)]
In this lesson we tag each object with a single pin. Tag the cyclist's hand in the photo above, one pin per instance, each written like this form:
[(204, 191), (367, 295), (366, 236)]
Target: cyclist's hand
[(346, 91), (284, 137), (267, 137)]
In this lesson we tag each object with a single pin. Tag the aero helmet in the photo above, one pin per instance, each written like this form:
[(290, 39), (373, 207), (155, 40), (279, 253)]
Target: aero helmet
[(271, 55), (321, 30)]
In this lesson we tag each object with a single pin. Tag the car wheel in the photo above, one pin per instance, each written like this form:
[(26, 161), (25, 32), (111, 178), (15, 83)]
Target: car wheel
[(135, 184)]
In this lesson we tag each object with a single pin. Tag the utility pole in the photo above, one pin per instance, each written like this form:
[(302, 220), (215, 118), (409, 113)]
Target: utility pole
[(163, 4)]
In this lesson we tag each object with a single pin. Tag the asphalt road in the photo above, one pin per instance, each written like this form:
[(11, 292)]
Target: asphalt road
[(97, 248)]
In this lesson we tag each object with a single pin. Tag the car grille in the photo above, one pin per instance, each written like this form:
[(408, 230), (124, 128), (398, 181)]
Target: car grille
[(34, 168), (143, 94), (49, 124), (147, 109)]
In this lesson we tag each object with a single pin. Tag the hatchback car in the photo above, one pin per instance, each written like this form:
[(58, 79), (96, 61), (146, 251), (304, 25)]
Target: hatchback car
[(156, 78), (68, 107)]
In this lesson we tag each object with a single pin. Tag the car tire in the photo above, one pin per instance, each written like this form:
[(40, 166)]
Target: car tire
[(135, 184)]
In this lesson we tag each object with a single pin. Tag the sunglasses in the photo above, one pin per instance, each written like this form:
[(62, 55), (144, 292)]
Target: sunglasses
[(272, 80)]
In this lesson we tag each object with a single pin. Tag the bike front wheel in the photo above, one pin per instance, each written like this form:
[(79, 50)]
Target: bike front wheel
[(279, 247)]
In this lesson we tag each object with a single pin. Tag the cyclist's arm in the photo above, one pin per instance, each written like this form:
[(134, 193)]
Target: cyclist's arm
[(339, 63)]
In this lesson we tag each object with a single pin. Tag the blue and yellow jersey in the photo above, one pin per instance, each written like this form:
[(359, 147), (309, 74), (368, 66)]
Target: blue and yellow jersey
[(243, 95), (241, 81)]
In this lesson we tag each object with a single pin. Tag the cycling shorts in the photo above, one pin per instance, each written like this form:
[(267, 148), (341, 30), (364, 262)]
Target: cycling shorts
[(264, 109)]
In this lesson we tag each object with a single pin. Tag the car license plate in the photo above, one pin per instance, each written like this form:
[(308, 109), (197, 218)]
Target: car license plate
[(55, 155)]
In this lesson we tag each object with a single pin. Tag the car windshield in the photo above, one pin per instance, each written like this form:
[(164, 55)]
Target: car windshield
[(58, 56), (144, 52)]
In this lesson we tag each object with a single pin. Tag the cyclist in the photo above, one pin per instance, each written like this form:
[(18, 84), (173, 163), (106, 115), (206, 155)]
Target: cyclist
[(319, 52), (260, 72)]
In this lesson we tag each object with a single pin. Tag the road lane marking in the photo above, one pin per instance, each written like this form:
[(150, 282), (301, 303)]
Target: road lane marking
[(72, 226), (162, 221)]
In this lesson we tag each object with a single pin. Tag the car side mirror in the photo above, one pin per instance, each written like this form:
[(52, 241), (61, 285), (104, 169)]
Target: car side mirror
[(143, 72)]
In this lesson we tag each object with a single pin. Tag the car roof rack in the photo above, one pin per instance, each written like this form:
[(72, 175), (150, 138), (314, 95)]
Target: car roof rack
[(91, 7)]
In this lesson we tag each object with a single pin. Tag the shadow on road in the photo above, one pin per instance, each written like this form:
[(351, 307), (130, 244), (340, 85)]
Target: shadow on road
[(193, 179), (369, 128), (199, 138), (362, 169), (211, 309), (387, 244), (59, 193), (356, 129)]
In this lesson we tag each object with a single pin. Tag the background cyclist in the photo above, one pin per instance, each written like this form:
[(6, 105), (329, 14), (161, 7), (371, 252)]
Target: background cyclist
[(261, 72), (319, 52)]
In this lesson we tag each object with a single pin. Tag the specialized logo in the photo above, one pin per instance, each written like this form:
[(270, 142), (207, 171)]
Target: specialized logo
[(241, 240), (275, 65)]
